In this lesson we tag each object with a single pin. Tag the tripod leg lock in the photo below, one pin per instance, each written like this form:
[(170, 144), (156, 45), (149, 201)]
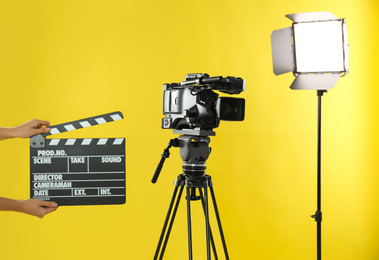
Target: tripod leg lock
[(180, 181), (317, 216), (209, 179)]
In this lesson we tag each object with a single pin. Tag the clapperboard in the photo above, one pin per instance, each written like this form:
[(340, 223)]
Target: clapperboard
[(87, 171)]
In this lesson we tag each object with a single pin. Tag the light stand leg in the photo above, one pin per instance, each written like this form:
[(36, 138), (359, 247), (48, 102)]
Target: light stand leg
[(319, 179), (318, 215)]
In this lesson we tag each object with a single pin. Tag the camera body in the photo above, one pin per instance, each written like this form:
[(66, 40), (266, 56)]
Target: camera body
[(193, 104)]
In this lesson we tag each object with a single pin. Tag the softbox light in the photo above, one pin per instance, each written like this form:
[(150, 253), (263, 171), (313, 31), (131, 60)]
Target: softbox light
[(315, 49)]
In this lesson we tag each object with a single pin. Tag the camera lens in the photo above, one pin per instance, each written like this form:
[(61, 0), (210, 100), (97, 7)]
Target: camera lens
[(231, 109)]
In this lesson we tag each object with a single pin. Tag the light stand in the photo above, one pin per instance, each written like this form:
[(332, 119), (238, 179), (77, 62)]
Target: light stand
[(316, 50), (194, 151)]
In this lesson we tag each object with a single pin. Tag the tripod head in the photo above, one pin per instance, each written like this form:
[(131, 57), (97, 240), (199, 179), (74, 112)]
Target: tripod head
[(194, 151)]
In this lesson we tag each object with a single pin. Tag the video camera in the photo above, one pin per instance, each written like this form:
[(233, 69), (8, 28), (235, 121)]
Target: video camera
[(191, 106)]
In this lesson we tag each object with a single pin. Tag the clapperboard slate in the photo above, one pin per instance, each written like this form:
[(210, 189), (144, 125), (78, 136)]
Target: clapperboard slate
[(78, 171)]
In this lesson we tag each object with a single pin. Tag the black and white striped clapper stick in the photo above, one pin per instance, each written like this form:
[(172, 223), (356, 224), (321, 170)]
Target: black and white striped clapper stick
[(87, 122), (88, 171)]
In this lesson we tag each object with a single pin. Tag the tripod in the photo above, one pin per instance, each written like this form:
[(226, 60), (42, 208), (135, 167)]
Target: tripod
[(194, 151)]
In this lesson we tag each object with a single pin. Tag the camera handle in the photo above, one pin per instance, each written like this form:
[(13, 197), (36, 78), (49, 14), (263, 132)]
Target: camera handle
[(166, 154)]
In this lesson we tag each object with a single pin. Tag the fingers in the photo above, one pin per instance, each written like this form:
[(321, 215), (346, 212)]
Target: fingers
[(39, 123), (36, 207), (41, 130), (47, 207), (49, 210), (48, 204), (32, 127)]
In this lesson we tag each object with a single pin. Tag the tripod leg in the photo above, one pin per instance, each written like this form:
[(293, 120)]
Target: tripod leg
[(171, 222), (218, 218), (210, 229), (177, 184), (189, 223), (207, 227)]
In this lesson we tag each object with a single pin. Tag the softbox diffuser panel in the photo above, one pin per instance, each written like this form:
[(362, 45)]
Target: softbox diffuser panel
[(319, 47)]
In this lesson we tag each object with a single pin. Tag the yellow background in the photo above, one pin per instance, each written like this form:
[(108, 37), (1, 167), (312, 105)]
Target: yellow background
[(66, 60)]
